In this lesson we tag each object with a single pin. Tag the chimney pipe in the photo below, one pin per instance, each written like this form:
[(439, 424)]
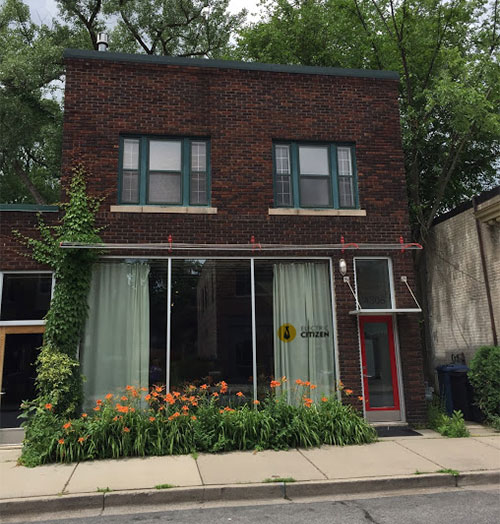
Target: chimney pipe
[(102, 42)]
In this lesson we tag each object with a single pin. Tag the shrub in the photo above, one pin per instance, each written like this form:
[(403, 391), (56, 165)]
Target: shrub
[(439, 421), (484, 375), (197, 420)]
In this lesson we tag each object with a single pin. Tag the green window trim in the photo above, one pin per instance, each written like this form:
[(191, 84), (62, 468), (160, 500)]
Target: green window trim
[(185, 173), (335, 192)]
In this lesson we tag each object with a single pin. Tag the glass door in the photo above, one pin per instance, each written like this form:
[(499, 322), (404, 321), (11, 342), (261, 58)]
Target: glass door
[(379, 369), (19, 346)]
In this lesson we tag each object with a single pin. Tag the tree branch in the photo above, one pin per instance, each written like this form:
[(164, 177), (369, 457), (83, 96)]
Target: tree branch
[(21, 173)]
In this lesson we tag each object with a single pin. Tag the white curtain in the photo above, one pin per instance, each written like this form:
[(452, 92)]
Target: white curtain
[(115, 349), (303, 330)]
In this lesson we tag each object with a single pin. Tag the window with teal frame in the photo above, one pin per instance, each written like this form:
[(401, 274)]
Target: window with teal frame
[(315, 175), (164, 171)]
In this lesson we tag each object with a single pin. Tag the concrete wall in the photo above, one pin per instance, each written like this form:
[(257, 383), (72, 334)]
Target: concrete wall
[(458, 307)]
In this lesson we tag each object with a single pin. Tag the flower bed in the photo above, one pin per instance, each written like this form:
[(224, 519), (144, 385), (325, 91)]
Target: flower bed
[(200, 419)]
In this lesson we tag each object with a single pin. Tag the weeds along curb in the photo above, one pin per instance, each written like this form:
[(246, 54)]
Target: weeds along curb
[(95, 503)]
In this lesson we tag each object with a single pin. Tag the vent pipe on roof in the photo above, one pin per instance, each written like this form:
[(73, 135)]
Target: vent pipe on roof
[(102, 42)]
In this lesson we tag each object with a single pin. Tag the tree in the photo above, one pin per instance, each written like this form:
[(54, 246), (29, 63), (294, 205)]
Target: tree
[(446, 53), (32, 72)]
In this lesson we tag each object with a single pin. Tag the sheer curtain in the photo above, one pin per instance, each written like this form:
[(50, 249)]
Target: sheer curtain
[(303, 331), (115, 349)]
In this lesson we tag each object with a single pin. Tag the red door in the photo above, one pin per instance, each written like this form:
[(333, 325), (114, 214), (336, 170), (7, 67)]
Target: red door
[(380, 375)]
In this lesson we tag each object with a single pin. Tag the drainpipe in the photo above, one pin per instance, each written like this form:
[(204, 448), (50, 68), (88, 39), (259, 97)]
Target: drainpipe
[(485, 274)]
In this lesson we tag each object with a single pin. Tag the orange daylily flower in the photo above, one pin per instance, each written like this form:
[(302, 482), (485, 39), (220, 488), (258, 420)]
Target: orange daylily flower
[(307, 384), (204, 386), (97, 408), (129, 388), (215, 394), (80, 440), (313, 386), (152, 419), (193, 418), (84, 415), (109, 396), (48, 406), (239, 394), (61, 441), (176, 394), (275, 383), (147, 397), (124, 399), (360, 398), (98, 401), (308, 402), (175, 415), (67, 425), (348, 391), (324, 399), (185, 408), (256, 402), (169, 398), (299, 382), (126, 430)]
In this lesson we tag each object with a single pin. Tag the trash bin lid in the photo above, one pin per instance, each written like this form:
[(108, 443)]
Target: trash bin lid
[(448, 368)]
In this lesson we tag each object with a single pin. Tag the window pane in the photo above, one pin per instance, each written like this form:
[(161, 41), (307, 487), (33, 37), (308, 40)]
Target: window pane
[(198, 188), (25, 296), (314, 192), (313, 160), (130, 187), (131, 153), (346, 193), (211, 324), (372, 279), (198, 156), (283, 191), (164, 155), (344, 160), (164, 188), (282, 157)]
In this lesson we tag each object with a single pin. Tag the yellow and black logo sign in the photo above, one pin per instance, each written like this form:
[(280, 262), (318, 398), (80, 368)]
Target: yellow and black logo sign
[(287, 333)]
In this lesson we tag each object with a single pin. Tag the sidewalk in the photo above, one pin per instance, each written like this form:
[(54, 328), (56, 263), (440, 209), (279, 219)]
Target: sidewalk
[(393, 463)]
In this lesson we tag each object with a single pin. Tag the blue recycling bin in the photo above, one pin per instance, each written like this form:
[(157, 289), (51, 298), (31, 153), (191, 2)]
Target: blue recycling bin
[(452, 379)]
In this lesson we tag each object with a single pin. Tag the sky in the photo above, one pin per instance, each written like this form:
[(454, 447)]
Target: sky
[(42, 11)]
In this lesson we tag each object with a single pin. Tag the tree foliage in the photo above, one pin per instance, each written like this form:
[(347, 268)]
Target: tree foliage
[(446, 53), (32, 73)]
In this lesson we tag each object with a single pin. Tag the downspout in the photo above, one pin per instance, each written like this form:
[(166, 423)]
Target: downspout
[(485, 274)]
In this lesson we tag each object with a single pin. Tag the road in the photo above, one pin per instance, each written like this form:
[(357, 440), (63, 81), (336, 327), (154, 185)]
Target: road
[(467, 506)]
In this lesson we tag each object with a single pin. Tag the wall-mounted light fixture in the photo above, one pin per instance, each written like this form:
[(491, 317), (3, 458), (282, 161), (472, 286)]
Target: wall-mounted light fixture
[(342, 267)]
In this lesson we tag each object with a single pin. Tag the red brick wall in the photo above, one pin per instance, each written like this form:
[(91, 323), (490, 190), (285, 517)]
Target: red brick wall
[(242, 112)]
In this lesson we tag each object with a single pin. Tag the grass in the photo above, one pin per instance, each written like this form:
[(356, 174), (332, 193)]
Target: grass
[(103, 490), (280, 479), (195, 455), (164, 486), (449, 471)]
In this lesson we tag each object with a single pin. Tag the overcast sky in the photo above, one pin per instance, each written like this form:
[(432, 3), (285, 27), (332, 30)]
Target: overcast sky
[(45, 10)]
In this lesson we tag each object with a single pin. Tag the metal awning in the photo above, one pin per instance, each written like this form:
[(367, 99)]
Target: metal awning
[(377, 312)]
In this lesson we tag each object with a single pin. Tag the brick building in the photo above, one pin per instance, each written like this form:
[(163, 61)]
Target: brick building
[(253, 221), (463, 279)]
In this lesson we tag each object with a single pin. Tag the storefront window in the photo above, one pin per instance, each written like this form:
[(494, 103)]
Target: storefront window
[(373, 283), (25, 296)]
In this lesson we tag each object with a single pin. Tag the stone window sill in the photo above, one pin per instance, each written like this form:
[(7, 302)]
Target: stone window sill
[(186, 210), (291, 211)]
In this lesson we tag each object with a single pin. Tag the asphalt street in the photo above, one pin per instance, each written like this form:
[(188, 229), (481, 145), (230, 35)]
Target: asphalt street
[(467, 506)]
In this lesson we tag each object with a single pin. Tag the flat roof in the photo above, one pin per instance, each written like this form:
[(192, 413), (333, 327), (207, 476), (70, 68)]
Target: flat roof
[(228, 64)]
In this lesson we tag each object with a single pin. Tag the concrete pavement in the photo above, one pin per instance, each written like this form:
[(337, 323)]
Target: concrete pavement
[(393, 463)]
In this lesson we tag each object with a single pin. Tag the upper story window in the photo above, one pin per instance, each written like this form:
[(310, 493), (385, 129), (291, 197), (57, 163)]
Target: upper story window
[(164, 171), (315, 176), (374, 283)]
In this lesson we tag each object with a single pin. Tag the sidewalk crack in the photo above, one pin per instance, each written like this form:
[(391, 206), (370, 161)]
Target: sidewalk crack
[(69, 478), (419, 454), (199, 472), (312, 463)]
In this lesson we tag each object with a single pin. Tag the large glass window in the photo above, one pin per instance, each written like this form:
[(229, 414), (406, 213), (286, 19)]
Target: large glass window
[(164, 171), (314, 176), (25, 296), (373, 283), (211, 324)]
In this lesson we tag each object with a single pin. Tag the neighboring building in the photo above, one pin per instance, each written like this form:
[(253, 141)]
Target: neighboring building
[(463, 267), (250, 176)]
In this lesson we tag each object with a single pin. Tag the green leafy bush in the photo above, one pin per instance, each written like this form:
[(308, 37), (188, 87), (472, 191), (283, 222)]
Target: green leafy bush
[(198, 420), (439, 421), (484, 375)]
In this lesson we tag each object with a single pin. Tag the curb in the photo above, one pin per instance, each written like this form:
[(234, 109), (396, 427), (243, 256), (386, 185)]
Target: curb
[(95, 503)]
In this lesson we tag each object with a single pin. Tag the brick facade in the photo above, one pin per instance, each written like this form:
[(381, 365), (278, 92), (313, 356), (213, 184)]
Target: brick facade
[(242, 111)]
